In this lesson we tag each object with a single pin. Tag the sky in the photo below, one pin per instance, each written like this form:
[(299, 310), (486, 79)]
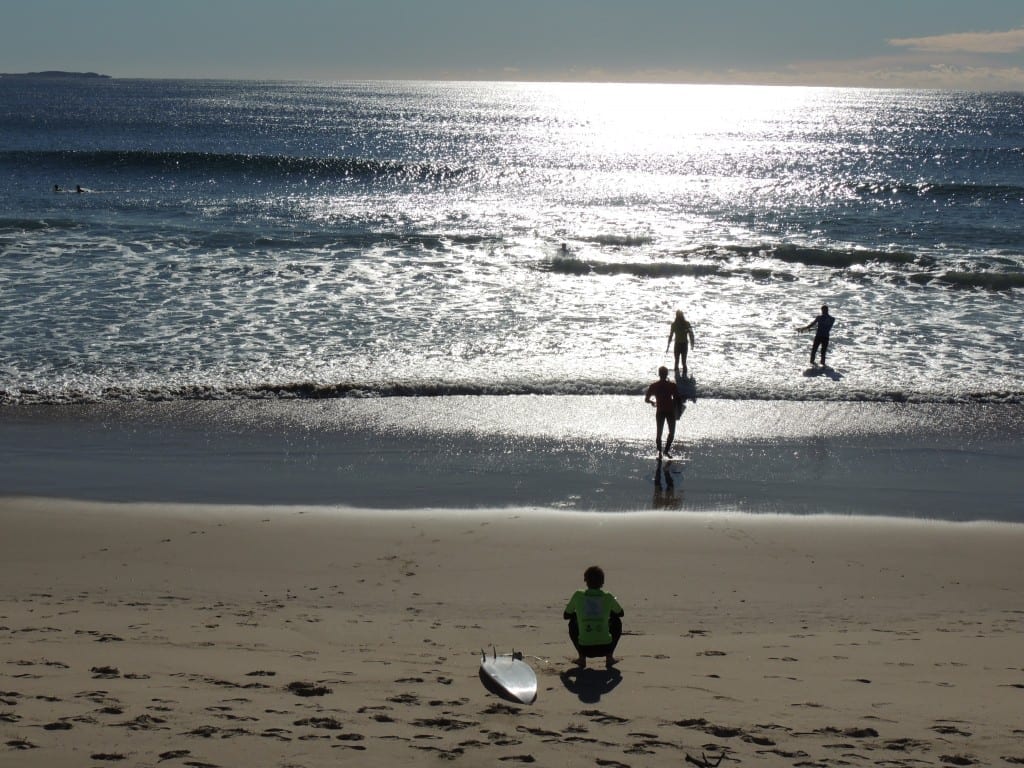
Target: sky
[(971, 44)]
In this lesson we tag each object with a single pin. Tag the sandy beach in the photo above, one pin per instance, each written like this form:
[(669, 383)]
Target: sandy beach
[(192, 635)]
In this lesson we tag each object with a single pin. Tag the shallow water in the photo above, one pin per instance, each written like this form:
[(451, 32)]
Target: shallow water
[(953, 462)]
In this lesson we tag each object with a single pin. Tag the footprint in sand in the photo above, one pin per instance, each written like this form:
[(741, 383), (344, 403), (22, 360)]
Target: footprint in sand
[(174, 754), (280, 734), (307, 689), (501, 709), (346, 738), (603, 718), (404, 698), (444, 723), (538, 732), (957, 760), (328, 723), (949, 730), (143, 723)]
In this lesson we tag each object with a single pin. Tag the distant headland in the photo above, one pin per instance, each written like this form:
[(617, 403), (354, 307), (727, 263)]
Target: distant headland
[(57, 74)]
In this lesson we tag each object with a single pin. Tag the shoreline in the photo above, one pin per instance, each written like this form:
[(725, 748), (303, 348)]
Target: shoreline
[(585, 453), (167, 633)]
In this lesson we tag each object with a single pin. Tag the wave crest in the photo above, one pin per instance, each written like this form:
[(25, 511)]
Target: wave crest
[(321, 391), (199, 163), (574, 266)]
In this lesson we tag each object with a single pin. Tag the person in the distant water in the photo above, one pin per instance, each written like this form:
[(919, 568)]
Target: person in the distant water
[(683, 333), (823, 328), (56, 188), (663, 395), (595, 620), (78, 189)]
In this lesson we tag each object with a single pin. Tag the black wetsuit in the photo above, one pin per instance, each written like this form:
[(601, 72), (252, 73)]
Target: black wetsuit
[(823, 324)]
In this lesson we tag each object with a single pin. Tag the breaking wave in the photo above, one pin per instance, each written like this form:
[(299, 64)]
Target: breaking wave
[(728, 261), (319, 391), (207, 163)]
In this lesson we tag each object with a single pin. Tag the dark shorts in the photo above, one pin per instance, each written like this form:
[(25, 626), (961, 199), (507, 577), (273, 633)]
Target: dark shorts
[(682, 347), (593, 651)]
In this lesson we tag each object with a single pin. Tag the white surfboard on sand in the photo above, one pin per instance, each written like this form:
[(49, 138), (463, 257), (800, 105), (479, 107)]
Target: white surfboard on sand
[(509, 674)]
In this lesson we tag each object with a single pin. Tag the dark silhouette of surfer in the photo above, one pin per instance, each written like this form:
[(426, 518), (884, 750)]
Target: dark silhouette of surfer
[(823, 327), (595, 620), (664, 396), (683, 333)]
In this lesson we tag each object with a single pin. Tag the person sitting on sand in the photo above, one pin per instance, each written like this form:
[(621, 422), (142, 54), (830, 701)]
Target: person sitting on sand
[(595, 620), (683, 333), (663, 395), (823, 324)]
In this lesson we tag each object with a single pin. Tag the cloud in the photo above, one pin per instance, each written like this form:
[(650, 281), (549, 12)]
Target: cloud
[(1010, 41)]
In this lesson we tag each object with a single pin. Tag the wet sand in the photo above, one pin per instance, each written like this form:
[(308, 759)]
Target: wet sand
[(959, 462)]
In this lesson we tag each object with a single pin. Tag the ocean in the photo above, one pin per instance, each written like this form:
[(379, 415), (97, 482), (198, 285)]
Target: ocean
[(240, 240)]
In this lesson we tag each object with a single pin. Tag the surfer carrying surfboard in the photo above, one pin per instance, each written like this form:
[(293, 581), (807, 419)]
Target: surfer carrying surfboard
[(595, 620), (823, 327), (664, 395), (683, 333)]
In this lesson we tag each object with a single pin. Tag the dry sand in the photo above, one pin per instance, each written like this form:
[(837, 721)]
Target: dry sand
[(175, 635)]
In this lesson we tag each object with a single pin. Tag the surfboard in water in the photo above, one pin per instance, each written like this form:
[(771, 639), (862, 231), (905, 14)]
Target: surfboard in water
[(508, 674)]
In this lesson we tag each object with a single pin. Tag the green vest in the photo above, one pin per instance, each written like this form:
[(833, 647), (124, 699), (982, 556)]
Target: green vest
[(593, 608)]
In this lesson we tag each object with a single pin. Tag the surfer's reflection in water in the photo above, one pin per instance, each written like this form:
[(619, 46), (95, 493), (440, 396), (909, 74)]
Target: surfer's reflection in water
[(665, 487)]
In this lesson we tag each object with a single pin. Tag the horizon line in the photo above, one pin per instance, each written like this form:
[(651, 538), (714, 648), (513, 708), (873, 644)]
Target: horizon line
[(743, 83)]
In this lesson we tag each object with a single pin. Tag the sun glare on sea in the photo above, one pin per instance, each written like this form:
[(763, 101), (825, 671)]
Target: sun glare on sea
[(659, 120)]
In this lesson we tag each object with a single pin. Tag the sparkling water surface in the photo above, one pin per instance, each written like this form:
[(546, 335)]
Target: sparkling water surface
[(242, 239)]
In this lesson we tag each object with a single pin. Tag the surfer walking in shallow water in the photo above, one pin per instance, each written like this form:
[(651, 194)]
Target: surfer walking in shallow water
[(682, 331), (664, 395), (823, 328)]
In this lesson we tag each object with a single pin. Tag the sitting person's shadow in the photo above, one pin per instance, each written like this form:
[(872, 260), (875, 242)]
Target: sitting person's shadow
[(590, 684)]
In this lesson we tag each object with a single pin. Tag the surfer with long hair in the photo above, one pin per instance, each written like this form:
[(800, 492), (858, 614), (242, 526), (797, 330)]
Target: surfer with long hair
[(682, 331)]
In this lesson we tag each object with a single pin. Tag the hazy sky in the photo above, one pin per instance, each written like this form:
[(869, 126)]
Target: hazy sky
[(977, 44)]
